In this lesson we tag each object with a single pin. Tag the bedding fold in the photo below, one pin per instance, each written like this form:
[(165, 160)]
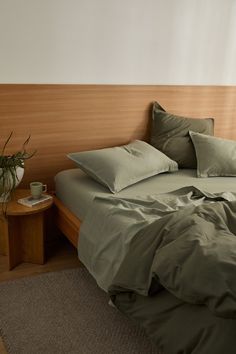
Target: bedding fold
[(183, 241), (168, 261)]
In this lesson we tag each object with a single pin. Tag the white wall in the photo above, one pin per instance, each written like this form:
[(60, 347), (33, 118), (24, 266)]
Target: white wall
[(118, 41)]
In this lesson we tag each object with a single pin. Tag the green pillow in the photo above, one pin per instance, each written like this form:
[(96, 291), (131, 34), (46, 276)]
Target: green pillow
[(170, 134), (122, 166), (215, 156)]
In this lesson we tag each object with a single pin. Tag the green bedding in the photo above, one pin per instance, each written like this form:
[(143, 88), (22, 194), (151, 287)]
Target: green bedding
[(77, 190), (168, 261)]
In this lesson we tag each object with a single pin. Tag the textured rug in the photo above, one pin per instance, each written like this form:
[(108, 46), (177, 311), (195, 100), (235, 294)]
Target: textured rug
[(65, 313)]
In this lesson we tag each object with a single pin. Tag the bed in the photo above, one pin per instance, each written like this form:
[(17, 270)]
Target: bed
[(76, 190), (158, 239), (173, 322)]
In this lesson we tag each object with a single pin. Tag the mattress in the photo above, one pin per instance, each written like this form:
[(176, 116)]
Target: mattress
[(76, 190)]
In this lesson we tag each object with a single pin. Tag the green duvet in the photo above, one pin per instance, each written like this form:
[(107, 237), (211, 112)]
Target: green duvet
[(169, 261)]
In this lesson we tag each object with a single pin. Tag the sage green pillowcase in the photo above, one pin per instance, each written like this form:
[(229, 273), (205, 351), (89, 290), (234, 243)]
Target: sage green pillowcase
[(170, 134), (215, 156), (122, 166)]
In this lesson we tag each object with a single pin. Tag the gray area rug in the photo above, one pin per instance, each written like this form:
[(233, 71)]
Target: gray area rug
[(65, 312)]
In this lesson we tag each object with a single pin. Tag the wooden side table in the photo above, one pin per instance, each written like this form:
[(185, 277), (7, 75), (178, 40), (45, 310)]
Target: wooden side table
[(22, 231)]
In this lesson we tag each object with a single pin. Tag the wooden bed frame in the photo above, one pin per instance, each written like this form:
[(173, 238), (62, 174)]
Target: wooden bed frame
[(67, 118), (66, 222)]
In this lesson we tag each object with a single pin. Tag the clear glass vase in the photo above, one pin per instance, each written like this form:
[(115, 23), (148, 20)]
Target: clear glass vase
[(9, 183)]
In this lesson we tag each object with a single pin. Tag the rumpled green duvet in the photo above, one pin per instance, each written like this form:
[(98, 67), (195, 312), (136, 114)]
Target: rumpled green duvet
[(169, 261)]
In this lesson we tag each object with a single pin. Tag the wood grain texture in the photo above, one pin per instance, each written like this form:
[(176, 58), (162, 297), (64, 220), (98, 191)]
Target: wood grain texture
[(23, 230), (66, 222), (3, 239), (15, 208), (67, 118), (60, 255), (2, 347)]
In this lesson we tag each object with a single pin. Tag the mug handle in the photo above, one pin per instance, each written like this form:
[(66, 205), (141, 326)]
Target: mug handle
[(44, 188)]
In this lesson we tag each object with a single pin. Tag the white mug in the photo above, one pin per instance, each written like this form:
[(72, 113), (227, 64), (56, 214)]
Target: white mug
[(37, 188)]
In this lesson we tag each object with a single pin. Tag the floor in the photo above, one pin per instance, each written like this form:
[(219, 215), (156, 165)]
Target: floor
[(60, 255)]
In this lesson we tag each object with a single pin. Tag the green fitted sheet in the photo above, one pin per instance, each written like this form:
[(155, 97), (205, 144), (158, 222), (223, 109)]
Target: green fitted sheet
[(77, 190)]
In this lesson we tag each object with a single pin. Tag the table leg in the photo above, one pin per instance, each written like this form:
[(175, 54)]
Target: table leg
[(3, 235), (26, 239)]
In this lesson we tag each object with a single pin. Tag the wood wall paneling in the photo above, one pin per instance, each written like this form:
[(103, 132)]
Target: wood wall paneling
[(66, 118)]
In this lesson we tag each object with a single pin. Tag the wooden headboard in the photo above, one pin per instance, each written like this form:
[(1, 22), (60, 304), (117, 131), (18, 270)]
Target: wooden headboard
[(66, 118)]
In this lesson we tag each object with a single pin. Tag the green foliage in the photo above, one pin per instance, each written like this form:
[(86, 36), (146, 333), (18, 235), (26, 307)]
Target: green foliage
[(9, 164)]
